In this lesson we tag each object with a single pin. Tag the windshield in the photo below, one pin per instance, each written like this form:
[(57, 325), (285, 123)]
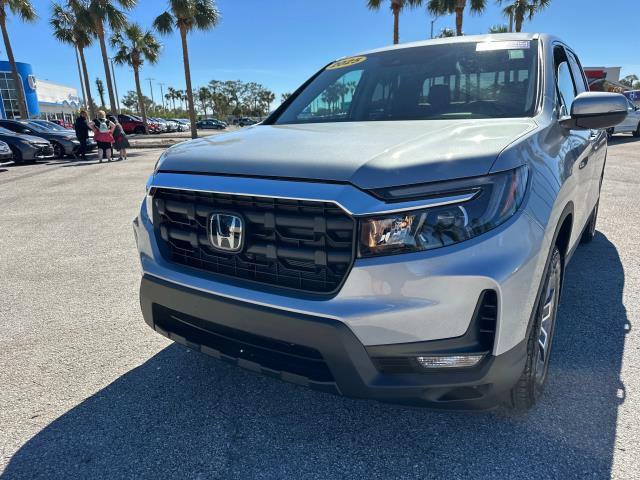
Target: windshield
[(49, 125), (37, 127), (450, 81)]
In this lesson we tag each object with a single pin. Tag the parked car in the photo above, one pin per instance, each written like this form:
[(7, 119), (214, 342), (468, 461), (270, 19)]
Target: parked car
[(174, 126), (631, 124), (134, 124), (406, 243), (62, 123), (179, 125), (63, 142), (5, 152), (26, 148), (211, 124), (244, 121)]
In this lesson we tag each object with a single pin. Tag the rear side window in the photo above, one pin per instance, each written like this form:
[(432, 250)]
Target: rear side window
[(566, 87)]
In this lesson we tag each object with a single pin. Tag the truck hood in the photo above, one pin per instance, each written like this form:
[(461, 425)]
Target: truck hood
[(366, 154)]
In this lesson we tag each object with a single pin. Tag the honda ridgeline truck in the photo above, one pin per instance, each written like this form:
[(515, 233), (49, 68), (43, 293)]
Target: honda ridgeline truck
[(398, 229)]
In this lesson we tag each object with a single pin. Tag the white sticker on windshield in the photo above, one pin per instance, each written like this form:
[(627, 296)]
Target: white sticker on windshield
[(507, 45)]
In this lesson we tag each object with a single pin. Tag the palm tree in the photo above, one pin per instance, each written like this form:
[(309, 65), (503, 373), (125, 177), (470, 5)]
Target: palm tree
[(396, 8), (95, 15), (25, 11), (184, 16), (499, 28), (520, 9), (442, 7), (66, 29), (100, 88), (134, 47), (204, 96)]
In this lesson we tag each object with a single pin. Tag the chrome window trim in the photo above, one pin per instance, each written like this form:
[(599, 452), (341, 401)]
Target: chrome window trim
[(352, 200)]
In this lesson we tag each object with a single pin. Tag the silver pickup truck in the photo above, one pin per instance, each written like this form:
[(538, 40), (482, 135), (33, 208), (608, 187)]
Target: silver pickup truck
[(398, 229)]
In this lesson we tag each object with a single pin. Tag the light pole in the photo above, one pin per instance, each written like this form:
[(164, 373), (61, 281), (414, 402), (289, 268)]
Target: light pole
[(115, 86), (151, 87), (162, 94)]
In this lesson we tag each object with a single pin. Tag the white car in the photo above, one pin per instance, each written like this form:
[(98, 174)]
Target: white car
[(631, 124)]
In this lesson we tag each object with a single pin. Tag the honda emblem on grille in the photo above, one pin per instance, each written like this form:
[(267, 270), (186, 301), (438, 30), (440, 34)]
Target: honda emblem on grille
[(226, 232)]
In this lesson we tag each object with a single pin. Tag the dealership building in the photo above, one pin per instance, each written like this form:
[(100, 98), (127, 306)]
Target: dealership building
[(44, 99)]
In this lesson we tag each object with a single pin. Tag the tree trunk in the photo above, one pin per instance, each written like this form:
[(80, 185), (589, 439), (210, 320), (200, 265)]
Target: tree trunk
[(84, 92), (22, 103), (143, 112), (396, 24), (459, 14), (187, 78), (107, 71), (87, 83), (519, 22)]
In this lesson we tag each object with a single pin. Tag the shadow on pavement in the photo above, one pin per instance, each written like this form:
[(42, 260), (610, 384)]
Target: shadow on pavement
[(182, 414)]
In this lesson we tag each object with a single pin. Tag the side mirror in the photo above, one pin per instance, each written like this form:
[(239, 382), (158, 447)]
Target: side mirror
[(594, 110)]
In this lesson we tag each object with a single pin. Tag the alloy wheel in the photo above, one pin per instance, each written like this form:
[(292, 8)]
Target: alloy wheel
[(547, 322)]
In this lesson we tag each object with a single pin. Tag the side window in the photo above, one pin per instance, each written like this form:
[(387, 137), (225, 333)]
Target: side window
[(576, 70), (564, 81)]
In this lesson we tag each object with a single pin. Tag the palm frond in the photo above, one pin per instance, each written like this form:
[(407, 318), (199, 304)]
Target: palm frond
[(22, 9), (164, 23)]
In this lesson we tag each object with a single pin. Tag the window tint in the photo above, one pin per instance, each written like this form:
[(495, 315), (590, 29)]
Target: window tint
[(564, 82), (463, 80)]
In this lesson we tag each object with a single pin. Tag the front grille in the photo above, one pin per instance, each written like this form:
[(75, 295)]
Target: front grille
[(44, 151), (273, 356), (303, 245)]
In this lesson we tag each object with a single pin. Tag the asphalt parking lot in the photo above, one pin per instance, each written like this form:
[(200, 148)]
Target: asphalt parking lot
[(87, 390)]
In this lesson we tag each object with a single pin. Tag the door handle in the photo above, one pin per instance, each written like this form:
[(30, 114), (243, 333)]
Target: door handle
[(583, 163)]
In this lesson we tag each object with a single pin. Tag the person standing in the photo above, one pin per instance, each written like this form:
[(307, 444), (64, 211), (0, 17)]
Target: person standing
[(81, 126), (120, 143), (103, 134)]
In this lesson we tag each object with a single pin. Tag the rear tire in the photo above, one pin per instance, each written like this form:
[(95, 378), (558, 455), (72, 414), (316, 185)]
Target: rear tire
[(138, 130), (590, 230), (527, 391), (636, 132)]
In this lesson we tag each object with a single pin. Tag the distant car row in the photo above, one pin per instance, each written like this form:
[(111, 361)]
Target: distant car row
[(31, 140), (134, 124)]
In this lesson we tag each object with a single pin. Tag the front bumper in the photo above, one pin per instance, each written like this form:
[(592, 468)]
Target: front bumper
[(40, 152), (317, 352)]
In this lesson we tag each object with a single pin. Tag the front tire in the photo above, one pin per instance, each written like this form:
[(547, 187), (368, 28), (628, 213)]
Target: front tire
[(590, 230), (636, 132), (58, 151), (527, 391)]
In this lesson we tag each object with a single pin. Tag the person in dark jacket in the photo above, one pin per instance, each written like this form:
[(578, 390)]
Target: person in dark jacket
[(81, 126)]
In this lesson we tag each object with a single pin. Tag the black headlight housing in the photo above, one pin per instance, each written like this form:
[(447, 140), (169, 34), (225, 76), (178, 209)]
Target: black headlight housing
[(496, 198)]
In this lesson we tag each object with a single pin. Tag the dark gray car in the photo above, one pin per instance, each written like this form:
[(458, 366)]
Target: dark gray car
[(26, 148), (64, 142)]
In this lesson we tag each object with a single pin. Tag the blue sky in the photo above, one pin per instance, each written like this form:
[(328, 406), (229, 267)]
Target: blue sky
[(280, 43)]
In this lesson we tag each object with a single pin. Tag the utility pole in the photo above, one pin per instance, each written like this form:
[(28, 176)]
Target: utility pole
[(151, 87), (115, 86), (162, 94)]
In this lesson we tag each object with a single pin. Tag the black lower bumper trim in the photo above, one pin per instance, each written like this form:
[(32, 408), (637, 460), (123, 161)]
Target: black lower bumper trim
[(314, 351)]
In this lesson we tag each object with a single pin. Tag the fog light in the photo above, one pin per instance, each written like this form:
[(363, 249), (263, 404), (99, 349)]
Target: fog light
[(450, 361)]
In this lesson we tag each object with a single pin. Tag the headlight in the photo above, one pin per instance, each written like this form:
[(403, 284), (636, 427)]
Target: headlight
[(497, 197)]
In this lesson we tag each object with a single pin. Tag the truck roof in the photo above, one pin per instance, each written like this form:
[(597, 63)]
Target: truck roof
[(489, 37)]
